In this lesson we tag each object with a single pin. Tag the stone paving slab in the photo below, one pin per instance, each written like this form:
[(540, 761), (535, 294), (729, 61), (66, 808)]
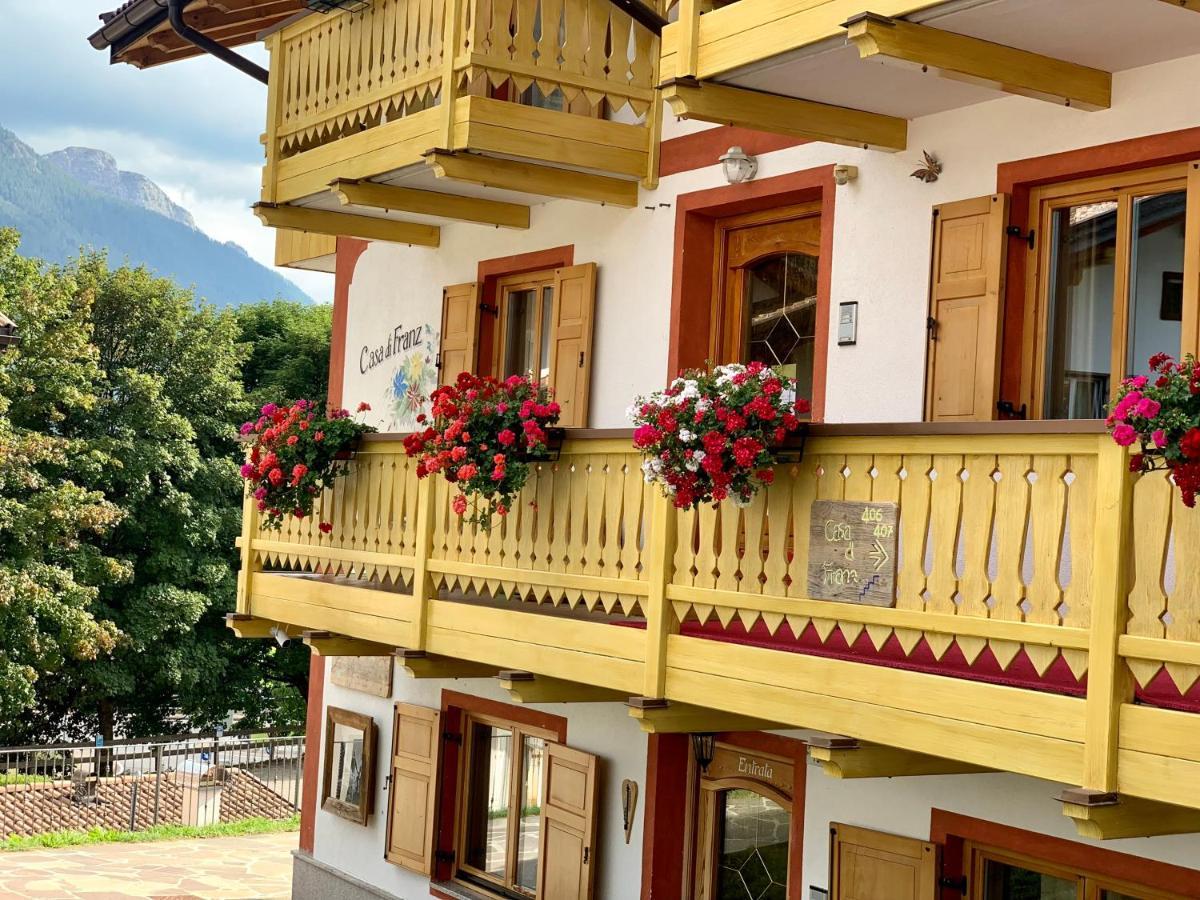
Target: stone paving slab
[(256, 867)]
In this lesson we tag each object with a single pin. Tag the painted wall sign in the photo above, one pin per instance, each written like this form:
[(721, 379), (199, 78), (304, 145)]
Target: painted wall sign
[(731, 761), (369, 674), (852, 551)]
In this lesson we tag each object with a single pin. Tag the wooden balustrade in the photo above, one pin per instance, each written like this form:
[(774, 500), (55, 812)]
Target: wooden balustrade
[(1032, 546)]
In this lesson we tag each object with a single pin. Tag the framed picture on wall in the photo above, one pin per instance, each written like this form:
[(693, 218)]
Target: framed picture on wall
[(1171, 304), (348, 785)]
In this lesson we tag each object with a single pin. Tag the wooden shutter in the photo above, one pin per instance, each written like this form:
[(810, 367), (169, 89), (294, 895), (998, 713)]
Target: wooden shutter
[(412, 794), (571, 341), (872, 865), (965, 309), (568, 824), (460, 331)]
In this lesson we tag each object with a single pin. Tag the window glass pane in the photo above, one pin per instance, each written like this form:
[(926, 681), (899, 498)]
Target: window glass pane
[(1118, 895), (1004, 882), (547, 319), (520, 332), (487, 799), (1156, 278), (753, 848), (1080, 316), (532, 755), (781, 315), (347, 764)]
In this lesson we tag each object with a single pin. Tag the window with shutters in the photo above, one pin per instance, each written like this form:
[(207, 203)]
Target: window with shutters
[(1105, 286), (544, 323), (997, 874)]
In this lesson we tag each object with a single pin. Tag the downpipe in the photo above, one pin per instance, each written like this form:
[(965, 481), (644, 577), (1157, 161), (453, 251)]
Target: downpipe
[(209, 46)]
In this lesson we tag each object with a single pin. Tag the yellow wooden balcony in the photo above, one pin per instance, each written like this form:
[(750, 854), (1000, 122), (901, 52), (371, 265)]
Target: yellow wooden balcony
[(415, 112), (1046, 617)]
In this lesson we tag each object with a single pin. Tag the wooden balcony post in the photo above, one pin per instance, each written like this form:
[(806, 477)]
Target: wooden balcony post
[(423, 592), (271, 136), (246, 545), (660, 620), (1109, 683), (689, 38), (453, 40)]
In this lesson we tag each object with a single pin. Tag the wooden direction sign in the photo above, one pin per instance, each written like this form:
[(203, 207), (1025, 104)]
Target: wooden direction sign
[(852, 552)]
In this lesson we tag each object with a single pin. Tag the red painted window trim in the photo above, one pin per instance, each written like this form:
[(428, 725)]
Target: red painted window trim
[(952, 829), (454, 705), (1019, 177), (692, 277), (492, 270), (348, 252), (314, 720), (704, 148)]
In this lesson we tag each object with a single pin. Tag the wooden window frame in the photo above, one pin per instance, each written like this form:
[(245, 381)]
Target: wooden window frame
[(478, 878), (1091, 886), (360, 812), (1121, 187), (727, 310), (508, 284)]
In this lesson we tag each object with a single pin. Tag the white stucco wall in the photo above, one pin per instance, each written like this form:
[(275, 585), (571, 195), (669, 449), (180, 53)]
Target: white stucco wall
[(880, 256), (603, 729)]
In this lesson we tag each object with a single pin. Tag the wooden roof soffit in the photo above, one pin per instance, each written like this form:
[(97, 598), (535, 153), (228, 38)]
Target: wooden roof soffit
[(430, 203), (529, 178), (728, 105), (525, 687), (1103, 816), (842, 757), (961, 58), (319, 221)]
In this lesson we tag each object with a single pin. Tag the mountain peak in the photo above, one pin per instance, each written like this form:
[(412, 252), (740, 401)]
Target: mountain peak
[(98, 170)]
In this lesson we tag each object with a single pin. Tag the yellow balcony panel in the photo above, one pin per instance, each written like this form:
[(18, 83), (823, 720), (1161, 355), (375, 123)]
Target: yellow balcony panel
[(799, 49), (998, 651), (305, 250), (575, 100)]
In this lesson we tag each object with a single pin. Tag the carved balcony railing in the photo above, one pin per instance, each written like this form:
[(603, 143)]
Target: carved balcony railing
[(1046, 616)]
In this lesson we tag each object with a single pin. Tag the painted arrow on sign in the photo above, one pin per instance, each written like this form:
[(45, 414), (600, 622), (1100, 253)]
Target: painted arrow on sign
[(879, 555)]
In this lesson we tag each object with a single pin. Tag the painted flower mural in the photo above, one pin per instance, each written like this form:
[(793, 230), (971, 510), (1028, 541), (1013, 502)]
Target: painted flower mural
[(412, 381)]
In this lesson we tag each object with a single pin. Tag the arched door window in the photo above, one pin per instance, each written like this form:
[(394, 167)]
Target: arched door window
[(752, 846)]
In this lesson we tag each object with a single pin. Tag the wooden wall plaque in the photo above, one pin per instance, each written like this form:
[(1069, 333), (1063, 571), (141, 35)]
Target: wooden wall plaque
[(369, 674), (852, 551)]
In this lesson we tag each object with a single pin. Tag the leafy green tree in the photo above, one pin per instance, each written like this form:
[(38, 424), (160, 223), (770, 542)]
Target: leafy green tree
[(51, 572), (289, 351)]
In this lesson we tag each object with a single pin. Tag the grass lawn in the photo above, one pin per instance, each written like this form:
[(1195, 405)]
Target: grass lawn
[(157, 833)]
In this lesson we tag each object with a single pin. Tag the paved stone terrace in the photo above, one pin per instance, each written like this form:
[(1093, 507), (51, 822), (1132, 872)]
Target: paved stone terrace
[(257, 867)]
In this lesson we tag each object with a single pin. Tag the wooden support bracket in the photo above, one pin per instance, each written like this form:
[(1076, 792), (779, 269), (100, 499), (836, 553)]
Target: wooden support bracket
[(324, 643), (528, 178), (430, 203), (1106, 815), (419, 664), (320, 221), (245, 626), (727, 105), (962, 58), (1193, 5), (842, 757), (525, 687), (663, 717)]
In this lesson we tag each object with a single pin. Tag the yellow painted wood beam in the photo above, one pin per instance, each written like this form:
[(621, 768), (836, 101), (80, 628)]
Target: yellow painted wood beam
[(962, 58), (546, 181), (321, 221), (841, 757), (1193, 5), (1105, 816), (525, 687), (419, 664), (431, 203), (252, 627), (662, 717), (727, 105), (325, 643)]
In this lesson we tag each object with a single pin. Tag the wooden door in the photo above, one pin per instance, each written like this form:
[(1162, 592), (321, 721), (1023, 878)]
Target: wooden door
[(460, 331), (571, 341), (965, 309), (412, 797), (566, 864), (872, 865)]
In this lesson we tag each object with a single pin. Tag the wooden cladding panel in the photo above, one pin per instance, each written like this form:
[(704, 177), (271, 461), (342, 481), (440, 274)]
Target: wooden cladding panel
[(565, 855), (872, 865), (460, 331), (412, 798), (573, 319)]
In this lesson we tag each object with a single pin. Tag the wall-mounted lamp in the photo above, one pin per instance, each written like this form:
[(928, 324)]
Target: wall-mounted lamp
[(739, 167), (280, 634), (704, 746), (8, 333), (844, 174)]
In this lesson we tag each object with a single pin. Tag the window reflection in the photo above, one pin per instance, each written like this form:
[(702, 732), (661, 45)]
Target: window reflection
[(781, 315), (753, 847), (1002, 881), (488, 797)]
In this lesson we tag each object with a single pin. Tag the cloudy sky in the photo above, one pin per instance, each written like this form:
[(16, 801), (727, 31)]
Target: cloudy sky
[(193, 126)]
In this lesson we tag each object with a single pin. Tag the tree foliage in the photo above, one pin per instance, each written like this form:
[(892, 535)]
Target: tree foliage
[(121, 505)]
